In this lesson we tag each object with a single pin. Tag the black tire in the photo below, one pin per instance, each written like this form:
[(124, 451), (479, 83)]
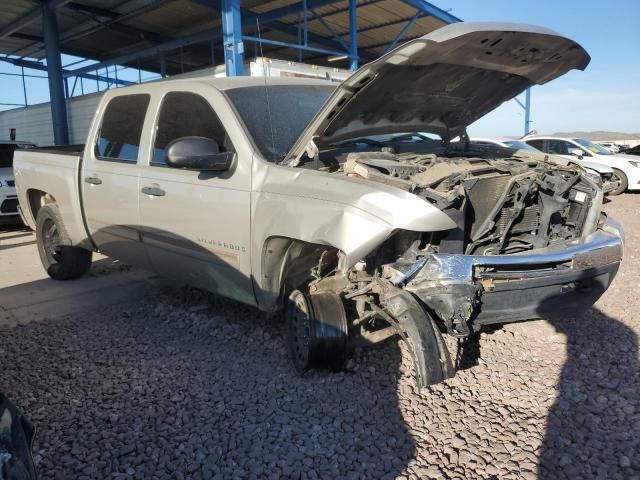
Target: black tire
[(317, 331), (60, 259), (624, 183)]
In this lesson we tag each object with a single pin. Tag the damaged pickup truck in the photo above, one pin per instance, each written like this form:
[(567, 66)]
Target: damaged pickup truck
[(348, 208)]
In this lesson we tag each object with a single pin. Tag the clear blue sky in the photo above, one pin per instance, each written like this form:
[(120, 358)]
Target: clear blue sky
[(604, 97)]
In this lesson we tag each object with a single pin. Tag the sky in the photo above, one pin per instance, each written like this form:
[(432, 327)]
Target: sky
[(606, 96)]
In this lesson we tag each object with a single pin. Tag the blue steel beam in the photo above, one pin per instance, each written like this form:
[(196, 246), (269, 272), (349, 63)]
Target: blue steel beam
[(250, 19), (328, 28), (232, 38), (318, 40), (527, 111), (28, 18), (54, 72), (433, 11), (266, 41), (353, 34), (526, 106), (403, 31), (206, 36), (20, 62)]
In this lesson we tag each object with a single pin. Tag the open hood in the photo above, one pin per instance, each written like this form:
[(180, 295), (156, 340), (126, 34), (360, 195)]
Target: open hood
[(441, 82)]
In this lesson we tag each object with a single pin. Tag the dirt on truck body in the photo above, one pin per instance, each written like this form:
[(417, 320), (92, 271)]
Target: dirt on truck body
[(351, 208)]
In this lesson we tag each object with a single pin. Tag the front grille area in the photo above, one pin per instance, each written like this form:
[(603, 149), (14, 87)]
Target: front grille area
[(528, 221), (483, 194), (11, 183), (9, 206)]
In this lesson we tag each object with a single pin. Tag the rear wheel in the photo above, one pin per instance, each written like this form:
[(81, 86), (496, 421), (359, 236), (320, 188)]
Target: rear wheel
[(59, 257), (619, 175), (317, 331)]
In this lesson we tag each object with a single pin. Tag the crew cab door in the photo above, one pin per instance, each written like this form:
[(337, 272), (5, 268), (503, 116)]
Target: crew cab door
[(109, 178), (195, 225)]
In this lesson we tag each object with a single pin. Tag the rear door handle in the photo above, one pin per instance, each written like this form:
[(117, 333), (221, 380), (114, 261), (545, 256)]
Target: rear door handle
[(93, 180), (153, 191)]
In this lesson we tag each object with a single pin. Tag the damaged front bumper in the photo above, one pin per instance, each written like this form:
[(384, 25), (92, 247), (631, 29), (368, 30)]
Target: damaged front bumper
[(467, 291)]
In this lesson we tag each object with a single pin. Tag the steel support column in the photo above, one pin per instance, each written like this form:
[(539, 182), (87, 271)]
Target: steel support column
[(232, 37), (527, 111), (54, 72), (353, 34)]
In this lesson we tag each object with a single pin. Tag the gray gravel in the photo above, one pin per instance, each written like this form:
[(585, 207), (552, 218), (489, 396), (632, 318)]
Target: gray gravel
[(186, 385)]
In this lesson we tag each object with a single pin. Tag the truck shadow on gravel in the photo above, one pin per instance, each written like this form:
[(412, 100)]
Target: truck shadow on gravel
[(593, 428), (189, 385)]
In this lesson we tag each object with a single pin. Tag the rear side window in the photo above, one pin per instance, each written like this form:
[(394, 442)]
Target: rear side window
[(185, 114), (557, 147), (121, 128), (536, 144)]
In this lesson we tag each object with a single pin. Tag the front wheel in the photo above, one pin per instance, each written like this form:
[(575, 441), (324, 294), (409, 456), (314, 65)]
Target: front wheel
[(622, 178), (317, 331), (59, 257)]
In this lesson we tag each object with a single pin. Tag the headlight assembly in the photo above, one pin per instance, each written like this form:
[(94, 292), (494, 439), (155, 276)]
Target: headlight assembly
[(595, 178)]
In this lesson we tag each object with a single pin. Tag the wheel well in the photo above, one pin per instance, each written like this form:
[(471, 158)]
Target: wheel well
[(37, 199), (286, 264)]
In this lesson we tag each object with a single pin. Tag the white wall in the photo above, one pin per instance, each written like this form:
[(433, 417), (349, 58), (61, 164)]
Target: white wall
[(34, 123)]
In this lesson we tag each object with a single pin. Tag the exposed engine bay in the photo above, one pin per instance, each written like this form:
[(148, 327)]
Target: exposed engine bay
[(414, 284), (501, 206)]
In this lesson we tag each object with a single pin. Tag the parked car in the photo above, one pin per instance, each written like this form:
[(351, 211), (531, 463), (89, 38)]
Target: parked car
[(8, 196), (626, 169), (275, 194), (600, 173), (633, 150), (504, 143), (611, 146)]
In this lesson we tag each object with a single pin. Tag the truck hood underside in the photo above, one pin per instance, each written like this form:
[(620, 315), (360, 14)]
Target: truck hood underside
[(442, 82)]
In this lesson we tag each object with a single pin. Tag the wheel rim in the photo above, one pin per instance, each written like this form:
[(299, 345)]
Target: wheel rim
[(51, 241), (617, 178), (300, 330)]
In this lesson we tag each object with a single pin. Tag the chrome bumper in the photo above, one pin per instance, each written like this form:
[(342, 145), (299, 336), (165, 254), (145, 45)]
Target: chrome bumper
[(506, 288)]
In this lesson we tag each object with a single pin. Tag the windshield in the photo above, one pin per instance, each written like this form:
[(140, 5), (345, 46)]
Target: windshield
[(276, 115), (592, 147), (519, 145)]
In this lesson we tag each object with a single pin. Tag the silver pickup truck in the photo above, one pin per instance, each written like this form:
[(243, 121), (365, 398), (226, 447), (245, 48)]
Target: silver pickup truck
[(347, 207)]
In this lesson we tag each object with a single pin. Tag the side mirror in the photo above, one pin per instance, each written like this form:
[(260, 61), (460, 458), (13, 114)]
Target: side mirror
[(576, 152), (197, 153)]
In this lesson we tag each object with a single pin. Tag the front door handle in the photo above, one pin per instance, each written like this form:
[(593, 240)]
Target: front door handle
[(93, 180), (153, 191)]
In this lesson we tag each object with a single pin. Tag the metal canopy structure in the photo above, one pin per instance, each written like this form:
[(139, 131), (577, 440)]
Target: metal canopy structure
[(176, 36)]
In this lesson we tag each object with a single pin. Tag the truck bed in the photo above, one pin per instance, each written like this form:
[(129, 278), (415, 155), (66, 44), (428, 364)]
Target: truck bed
[(53, 170)]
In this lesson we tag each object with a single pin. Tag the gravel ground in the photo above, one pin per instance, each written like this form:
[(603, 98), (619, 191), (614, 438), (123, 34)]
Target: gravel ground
[(185, 385)]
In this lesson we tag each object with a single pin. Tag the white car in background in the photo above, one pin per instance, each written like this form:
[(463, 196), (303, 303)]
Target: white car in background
[(626, 168), (611, 146), (598, 171), (8, 196)]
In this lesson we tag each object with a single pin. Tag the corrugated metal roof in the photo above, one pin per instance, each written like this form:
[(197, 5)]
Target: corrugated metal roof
[(107, 29)]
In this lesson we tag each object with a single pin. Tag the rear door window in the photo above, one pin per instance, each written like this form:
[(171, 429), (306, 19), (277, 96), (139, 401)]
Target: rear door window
[(539, 144), (121, 129), (558, 147)]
